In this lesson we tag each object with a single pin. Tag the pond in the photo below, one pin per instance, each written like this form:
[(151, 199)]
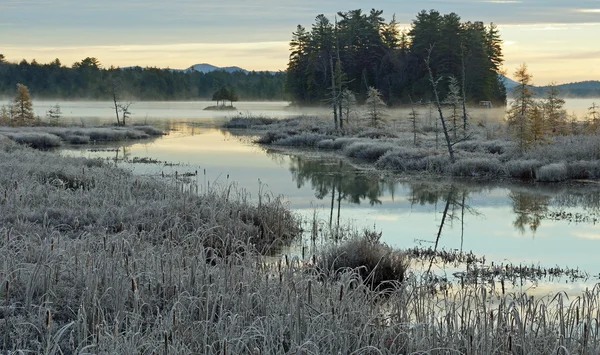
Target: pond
[(506, 222)]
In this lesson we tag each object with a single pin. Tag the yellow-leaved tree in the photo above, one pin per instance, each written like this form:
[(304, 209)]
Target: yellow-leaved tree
[(521, 113), (22, 108)]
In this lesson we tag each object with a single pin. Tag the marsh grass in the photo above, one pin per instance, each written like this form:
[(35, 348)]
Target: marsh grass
[(43, 137), (125, 264), (488, 152)]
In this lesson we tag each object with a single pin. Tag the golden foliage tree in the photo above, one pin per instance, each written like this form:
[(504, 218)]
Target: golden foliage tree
[(554, 112), (22, 108), (520, 113)]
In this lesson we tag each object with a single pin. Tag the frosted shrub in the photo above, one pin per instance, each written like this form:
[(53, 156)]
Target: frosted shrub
[(367, 151), (584, 169), (552, 172), (379, 265), (271, 137), (478, 167), (35, 139), (491, 147), (301, 140), (522, 169), (402, 159)]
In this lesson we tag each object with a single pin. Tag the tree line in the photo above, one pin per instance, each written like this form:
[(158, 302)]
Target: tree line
[(87, 79), (357, 51)]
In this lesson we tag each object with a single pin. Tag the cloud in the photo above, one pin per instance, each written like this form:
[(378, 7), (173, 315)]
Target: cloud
[(588, 11)]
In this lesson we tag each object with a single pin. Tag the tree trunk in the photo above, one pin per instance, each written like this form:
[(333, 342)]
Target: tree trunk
[(333, 95), (116, 108), (439, 108)]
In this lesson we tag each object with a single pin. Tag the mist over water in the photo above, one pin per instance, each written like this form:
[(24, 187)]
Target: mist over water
[(102, 112)]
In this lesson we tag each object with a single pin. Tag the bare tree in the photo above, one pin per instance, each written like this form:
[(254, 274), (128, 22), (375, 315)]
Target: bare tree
[(121, 109), (434, 84)]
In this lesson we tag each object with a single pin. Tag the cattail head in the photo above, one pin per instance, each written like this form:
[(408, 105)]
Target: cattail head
[(133, 285), (47, 319)]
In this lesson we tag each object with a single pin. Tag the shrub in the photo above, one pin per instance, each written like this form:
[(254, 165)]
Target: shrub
[(36, 139), (402, 159), (301, 140), (491, 146), (584, 169), (379, 265), (271, 137), (75, 139), (522, 169), (368, 151), (478, 167), (553, 172)]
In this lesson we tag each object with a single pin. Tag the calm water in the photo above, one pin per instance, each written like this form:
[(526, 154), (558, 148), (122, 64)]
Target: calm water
[(546, 225)]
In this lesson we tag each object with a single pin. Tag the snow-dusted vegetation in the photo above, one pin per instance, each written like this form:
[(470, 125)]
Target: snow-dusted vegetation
[(96, 260), (488, 149), (48, 137)]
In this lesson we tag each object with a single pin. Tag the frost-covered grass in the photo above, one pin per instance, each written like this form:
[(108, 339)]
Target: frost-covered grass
[(50, 136), (96, 260), (489, 150)]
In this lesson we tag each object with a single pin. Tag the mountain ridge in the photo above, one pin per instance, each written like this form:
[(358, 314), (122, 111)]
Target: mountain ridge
[(207, 68)]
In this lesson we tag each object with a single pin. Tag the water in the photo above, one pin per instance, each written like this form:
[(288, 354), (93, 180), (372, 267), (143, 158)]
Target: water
[(545, 225)]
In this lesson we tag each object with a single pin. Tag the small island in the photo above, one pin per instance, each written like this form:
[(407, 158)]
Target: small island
[(221, 96)]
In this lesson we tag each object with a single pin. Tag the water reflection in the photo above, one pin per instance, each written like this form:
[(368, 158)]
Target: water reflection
[(337, 181), (529, 209), (329, 177), (490, 219)]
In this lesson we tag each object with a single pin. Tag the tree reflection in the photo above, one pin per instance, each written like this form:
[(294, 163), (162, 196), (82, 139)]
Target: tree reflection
[(529, 208), (335, 177)]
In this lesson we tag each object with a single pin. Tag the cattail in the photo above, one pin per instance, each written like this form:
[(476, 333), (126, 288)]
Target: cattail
[(52, 245), (166, 343), (341, 292), (47, 319), (133, 285)]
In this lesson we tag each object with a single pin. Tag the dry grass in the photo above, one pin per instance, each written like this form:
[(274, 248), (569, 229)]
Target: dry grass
[(96, 260)]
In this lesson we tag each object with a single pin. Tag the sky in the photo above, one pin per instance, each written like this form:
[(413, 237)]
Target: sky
[(558, 40)]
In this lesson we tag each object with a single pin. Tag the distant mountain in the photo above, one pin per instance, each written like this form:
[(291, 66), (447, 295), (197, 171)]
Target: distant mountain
[(207, 68), (589, 88), (509, 83)]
